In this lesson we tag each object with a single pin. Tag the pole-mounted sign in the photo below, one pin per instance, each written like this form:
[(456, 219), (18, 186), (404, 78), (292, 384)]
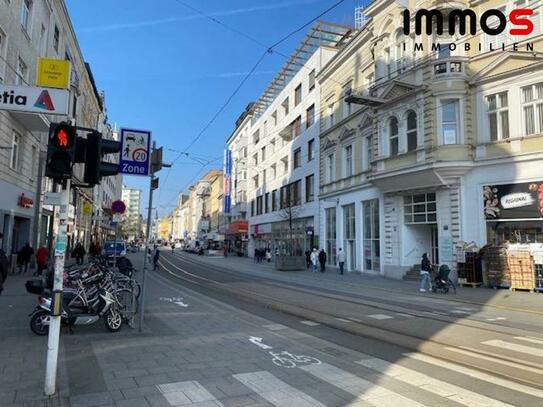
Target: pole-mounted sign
[(135, 152)]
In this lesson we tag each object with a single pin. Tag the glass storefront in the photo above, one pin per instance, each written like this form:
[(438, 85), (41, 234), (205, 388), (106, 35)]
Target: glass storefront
[(349, 235), (287, 242), (331, 235), (372, 255)]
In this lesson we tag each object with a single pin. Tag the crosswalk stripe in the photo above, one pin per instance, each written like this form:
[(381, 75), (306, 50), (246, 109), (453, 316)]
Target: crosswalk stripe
[(530, 350), (508, 384), (530, 339), (429, 384), (363, 390), (343, 320), (493, 359), (187, 393), (274, 327), (309, 323), (380, 316), (276, 391)]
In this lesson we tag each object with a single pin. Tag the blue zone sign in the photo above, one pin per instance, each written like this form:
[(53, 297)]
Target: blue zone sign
[(135, 152)]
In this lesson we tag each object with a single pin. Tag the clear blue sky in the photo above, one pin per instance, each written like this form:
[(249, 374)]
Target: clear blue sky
[(168, 70)]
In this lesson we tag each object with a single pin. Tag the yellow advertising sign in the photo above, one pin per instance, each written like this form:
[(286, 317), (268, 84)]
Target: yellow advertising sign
[(87, 208), (53, 73)]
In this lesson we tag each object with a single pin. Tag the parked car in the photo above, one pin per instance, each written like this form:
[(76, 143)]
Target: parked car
[(114, 249)]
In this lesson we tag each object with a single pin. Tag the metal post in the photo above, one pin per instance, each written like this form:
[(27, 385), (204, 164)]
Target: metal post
[(54, 326), (147, 238)]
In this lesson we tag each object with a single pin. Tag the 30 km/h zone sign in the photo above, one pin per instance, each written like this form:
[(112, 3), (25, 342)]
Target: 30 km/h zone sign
[(135, 152)]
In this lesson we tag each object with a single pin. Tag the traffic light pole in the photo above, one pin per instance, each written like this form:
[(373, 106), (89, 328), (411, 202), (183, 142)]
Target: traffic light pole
[(147, 238), (56, 305)]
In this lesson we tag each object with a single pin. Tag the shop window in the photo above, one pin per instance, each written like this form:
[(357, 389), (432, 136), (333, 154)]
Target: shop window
[(532, 109), (349, 235), (498, 116), (420, 209), (331, 245), (371, 243), (411, 131), (393, 137)]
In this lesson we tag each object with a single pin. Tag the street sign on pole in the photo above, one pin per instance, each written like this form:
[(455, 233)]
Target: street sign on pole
[(135, 152)]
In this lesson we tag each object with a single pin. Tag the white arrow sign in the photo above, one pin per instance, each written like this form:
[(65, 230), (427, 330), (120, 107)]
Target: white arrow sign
[(258, 342)]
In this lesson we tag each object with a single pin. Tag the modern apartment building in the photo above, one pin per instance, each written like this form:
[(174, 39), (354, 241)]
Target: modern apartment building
[(421, 148), (282, 148), (131, 219)]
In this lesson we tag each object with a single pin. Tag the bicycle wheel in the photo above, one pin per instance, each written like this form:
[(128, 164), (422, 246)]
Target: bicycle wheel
[(284, 362), (308, 359), (127, 300)]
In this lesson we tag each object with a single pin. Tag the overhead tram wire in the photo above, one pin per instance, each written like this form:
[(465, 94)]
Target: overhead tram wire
[(246, 77)]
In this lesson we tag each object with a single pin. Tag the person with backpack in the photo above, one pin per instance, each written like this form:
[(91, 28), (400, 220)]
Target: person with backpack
[(156, 257), (24, 256), (341, 260), (42, 257), (314, 259)]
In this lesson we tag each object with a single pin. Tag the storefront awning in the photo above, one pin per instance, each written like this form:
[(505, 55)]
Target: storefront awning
[(32, 121), (406, 180), (238, 227)]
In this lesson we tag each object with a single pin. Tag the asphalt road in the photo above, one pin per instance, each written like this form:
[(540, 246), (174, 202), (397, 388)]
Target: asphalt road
[(506, 355)]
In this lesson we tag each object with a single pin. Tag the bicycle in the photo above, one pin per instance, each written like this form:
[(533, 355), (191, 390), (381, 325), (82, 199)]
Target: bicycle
[(289, 360)]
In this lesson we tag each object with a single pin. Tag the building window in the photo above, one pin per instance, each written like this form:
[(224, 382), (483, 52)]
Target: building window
[(331, 119), (272, 145), (297, 158), (263, 177), (498, 116), (15, 143), (366, 145), (296, 193), (532, 109), (255, 159), (263, 150), (449, 121), (26, 6), (330, 167), (284, 197), (311, 84), (297, 127), (267, 202), (388, 62), (274, 118), (286, 108), (393, 137), (420, 208), (310, 188), (35, 163), (311, 149), (331, 246), (348, 160), (411, 131), (298, 95), (310, 116), (274, 200), (259, 205), (56, 38), (255, 180), (3, 47), (256, 137), (43, 40), (21, 72), (371, 249), (274, 171)]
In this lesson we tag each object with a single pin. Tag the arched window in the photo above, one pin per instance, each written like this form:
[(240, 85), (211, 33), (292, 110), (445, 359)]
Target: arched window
[(411, 131), (393, 137)]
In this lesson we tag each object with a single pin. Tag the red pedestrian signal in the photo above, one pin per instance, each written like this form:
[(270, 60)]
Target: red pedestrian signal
[(60, 151), (62, 138)]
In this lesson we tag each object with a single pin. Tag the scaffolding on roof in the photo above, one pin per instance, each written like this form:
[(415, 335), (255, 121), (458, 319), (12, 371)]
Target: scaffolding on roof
[(322, 34)]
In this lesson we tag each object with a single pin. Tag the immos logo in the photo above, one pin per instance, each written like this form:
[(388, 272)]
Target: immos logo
[(492, 22)]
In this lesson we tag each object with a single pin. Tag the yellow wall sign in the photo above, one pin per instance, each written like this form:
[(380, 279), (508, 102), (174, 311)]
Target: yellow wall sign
[(87, 208), (53, 73)]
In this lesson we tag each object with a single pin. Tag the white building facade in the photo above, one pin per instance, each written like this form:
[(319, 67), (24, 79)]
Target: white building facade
[(131, 218)]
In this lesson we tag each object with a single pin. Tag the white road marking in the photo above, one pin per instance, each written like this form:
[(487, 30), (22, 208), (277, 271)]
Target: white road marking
[(363, 390), (404, 315), (459, 312), (343, 320), (429, 384), (496, 319), (380, 316), (181, 304), (530, 339), (309, 323), (529, 350), (276, 391), (508, 384), (466, 309), (274, 327), (186, 393), (495, 360), (356, 320), (258, 342)]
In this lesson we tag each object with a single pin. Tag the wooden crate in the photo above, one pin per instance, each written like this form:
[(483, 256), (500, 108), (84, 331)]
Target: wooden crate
[(521, 269)]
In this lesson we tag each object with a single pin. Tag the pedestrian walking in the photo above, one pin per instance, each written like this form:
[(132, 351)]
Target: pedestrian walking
[(173, 247), (256, 255), (425, 268), (156, 256), (24, 256), (79, 253), (314, 259), (4, 265), (307, 258), (42, 257), (268, 255), (341, 260), (322, 260)]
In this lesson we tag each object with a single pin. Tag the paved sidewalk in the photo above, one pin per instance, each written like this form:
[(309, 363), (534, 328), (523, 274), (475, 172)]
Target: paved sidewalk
[(356, 283)]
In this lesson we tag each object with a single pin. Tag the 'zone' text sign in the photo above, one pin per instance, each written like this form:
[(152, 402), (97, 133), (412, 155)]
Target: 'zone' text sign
[(135, 152)]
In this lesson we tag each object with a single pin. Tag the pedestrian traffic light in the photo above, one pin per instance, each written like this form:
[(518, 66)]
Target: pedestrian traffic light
[(60, 151), (95, 168)]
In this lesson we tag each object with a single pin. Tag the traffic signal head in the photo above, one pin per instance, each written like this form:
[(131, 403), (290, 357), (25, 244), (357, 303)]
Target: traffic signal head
[(95, 168), (60, 151)]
